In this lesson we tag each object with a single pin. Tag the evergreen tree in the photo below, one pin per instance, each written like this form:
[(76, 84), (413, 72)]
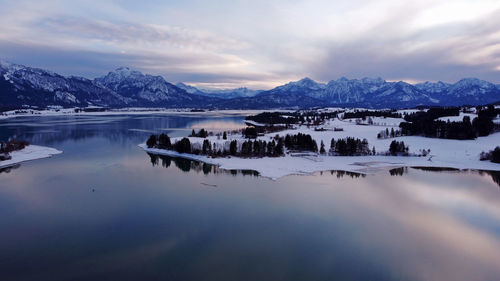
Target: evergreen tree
[(207, 147), (151, 142), (495, 155), (397, 147), (164, 142), (279, 148), (224, 136), (183, 146), (233, 147), (322, 149)]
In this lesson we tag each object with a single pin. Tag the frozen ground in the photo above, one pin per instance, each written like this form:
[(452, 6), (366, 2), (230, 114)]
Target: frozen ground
[(30, 152), (460, 154)]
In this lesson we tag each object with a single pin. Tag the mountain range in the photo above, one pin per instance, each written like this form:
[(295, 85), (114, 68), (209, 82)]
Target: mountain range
[(22, 86)]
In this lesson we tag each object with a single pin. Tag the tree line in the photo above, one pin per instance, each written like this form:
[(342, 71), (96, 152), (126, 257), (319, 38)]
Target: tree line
[(350, 147), (301, 142), (289, 118), (425, 123), (247, 148), (362, 114)]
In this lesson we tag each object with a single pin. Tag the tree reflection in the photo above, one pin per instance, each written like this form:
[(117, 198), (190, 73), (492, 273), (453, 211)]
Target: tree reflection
[(495, 175), (398, 171), (9, 169), (187, 165), (341, 174)]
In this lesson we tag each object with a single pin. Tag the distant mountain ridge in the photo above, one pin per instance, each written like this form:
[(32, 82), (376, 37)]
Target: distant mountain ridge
[(216, 93), (25, 86)]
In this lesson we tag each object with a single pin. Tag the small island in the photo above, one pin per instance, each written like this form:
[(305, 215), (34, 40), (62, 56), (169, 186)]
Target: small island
[(14, 152), (276, 144)]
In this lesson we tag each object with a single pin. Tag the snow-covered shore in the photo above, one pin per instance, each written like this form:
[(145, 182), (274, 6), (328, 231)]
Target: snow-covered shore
[(459, 154), (124, 111), (30, 152)]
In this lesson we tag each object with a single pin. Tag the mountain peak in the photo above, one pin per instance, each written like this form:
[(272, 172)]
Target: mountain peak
[(466, 82), (307, 82), (124, 72)]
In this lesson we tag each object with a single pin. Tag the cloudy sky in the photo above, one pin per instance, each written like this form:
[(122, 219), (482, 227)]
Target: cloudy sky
[(259, 44)]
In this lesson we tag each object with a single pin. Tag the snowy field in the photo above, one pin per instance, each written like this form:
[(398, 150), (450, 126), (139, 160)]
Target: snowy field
[(460, 154), (30, 152), (458, 118)]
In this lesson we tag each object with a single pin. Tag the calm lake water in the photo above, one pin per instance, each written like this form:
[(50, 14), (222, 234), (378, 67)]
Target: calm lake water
[(106, 210)]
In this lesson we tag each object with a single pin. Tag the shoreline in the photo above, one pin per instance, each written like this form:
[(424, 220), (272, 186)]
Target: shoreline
[(127, 111), (277, 167), (29, 153)]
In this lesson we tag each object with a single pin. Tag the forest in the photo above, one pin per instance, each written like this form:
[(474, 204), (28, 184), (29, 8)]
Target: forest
[(350, 147), (424, 123)]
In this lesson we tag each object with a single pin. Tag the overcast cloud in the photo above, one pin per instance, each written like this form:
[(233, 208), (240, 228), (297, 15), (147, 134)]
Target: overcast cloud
[(259, 44)]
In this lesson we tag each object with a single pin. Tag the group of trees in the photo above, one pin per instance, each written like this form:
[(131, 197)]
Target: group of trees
[(398, 148), (8, 147), (425, 123), (298, 117), (350, 147), (303, 142), (12, 145), (201, 134), (363, 114), (274, 118), (385, 134), (250, 132), (493, 156), (259, 148), (248, 148)]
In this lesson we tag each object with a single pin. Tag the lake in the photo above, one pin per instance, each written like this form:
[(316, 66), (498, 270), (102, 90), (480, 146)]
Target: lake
[(106, 210)]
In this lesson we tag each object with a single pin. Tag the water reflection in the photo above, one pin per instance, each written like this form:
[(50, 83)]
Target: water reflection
[(9, 169), (495, 175), (188, 165), (341, 174), (116, 129), (163, 223), (398, 171)]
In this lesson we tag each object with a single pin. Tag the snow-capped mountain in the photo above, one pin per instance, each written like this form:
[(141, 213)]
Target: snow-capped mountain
[(219, 93), (305, 86), (376, 93), (20, 85), (26, 86), (148, 90), (345, 91)]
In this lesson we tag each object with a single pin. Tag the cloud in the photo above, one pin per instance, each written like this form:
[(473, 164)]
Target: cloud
[(446, 52), (258, 44), (139, 34)]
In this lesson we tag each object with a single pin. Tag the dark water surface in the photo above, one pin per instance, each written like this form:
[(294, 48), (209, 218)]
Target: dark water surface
[(106, 210)]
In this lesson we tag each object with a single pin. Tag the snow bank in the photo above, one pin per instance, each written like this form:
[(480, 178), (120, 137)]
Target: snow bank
[(30, 152)]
